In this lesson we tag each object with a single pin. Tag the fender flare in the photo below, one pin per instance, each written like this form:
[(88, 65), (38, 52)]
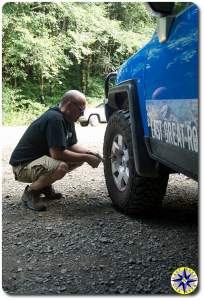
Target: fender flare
[(145, 166)]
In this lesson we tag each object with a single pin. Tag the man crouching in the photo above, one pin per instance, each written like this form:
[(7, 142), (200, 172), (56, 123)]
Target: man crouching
[(49, 149)]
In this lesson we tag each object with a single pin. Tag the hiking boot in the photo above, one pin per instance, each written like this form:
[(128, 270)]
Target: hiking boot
[(50, 193), (31, 199)]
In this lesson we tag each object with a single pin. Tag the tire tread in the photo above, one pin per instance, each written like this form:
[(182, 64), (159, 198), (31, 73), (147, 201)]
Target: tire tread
[(144, 194)]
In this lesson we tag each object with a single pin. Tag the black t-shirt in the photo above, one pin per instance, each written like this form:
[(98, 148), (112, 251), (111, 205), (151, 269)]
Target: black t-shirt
[(49, 130)]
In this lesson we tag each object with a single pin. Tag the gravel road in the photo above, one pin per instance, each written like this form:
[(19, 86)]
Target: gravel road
[(82, 246)]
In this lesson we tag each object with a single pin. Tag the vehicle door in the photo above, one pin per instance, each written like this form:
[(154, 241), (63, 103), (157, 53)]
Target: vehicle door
[(171, 87)]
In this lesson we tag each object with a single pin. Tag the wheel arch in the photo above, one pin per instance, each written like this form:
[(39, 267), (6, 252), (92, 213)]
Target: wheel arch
[(125, 97)]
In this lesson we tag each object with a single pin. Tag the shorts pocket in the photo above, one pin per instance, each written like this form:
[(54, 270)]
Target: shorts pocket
[(37, 171)]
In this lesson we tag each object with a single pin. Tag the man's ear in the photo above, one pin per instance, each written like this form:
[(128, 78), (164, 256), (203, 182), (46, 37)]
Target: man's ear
[(68, 105)]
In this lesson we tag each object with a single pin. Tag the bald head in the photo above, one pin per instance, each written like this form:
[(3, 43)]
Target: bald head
[(73, 96), (72, 105)]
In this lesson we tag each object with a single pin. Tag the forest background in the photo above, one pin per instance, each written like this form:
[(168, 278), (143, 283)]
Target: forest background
[(49, 48)]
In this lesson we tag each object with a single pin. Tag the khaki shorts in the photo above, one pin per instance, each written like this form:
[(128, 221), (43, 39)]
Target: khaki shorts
[(30, 172)]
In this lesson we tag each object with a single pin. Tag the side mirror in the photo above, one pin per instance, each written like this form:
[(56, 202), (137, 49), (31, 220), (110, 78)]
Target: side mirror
[(165, 12), (160, 9)]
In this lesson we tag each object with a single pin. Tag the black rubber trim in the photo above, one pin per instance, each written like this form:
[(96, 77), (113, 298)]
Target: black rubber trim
[(108, 110), (145, 166), (107, 80), (180, 160)]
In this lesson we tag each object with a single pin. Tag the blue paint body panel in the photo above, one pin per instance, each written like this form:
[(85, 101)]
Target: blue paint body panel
[(134, 68), (173, 66), (166, 76)]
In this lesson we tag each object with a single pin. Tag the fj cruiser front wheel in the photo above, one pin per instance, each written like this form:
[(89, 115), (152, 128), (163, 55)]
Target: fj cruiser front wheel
[(129, 192)]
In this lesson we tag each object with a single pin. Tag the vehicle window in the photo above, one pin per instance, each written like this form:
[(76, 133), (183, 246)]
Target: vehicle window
[(180, 6)]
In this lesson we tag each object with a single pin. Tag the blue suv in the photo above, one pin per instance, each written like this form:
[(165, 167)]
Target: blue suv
[(152, 112)]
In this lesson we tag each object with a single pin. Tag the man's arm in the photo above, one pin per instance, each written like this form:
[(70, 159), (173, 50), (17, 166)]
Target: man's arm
[(67, 155), (70, 156), (80, 149)]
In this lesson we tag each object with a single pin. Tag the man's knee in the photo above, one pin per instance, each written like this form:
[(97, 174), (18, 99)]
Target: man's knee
[(79, 164), (62, 169), (72, 166)]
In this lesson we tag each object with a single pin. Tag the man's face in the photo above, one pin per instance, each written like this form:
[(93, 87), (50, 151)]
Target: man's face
[(77, 110), (74, 109)]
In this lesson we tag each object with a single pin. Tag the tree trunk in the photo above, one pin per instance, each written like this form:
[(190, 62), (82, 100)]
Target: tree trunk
[(88, 70), (85, 74), (41, 89), (15, 82), (83, 77)]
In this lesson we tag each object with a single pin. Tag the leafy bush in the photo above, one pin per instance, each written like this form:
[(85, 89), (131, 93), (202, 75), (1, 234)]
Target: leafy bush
[(49, 48), (17, 110), (96, 87), (93, 101)]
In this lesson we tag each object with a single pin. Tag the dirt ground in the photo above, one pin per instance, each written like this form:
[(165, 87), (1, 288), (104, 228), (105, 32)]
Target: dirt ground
[(82, 246)]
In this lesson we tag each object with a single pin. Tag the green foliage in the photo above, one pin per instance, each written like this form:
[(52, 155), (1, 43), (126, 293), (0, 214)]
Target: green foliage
[(133, 16), (51, 47), (93, 101), (17, 109), (96, 87)]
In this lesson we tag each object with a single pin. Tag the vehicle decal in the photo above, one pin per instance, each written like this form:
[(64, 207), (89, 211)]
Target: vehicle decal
[(174, 122)]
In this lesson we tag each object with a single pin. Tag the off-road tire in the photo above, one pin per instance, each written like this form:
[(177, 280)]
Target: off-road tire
[(142, 194)]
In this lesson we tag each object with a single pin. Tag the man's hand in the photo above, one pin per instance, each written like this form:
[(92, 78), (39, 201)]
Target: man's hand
[(75, 157), (95, 154), (80, 149), (93, 161)]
